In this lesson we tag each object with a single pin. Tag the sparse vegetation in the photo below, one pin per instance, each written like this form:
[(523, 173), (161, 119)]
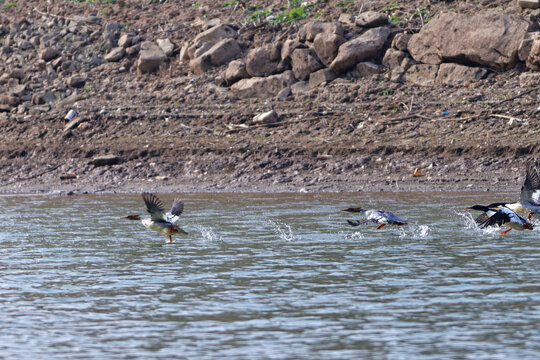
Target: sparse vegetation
[(10, 5)]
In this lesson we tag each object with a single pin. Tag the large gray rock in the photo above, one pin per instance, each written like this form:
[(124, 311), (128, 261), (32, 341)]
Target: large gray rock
[(371, 19), (309, 30), (216, 33), (533, 55), (223, 52), (151, 56), (366, 46), (263, 86), (393, 58), (264, 60), (235, 71), (199, 48), (288, 47), (490, 38), (422, 74), (326, 46), (455, 74), (304, 62), (321, 76)]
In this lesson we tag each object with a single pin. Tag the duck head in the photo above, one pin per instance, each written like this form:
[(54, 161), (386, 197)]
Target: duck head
[(131, 217), (354, 209)]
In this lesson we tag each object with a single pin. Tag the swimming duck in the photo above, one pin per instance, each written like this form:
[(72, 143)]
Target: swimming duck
[(380, 217), (508, 217), (158, 220)]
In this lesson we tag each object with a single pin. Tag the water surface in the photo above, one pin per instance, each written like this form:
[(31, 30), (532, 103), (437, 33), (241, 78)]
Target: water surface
[(265, 276)]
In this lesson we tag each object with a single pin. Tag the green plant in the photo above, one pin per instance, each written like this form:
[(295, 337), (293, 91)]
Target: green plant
[(10, 5), (230, 3), (125, 25), (387, 92), (344, 4), (390, 7), (397, 20)]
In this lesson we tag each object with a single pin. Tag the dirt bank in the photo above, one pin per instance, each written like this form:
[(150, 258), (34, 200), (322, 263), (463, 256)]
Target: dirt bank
[(175, 131)]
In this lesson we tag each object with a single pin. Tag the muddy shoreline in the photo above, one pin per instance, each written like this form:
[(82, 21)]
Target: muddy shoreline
[(173, 131)]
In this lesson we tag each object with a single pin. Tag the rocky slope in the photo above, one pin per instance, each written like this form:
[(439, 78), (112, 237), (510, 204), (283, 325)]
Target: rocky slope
[(363, 93)]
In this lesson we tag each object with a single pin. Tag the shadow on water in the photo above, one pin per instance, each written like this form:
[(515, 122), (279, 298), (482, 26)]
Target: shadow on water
[(265, 276)]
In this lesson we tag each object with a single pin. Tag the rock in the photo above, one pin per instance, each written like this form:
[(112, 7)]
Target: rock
[(422, 74), (299, 88), (9, 100), (235, 71), (223, 52), (270, 117), (263, 86), (199, 48), (346, 19), (396, 75), (264, 61), (125, 40), (533, 58), (150, 57), (304, 62), (489, 38), (401, 41), (17, 74), (309, 30), (115, 54), (72, 124), (105, 160), (525, 49), (166, 45), (18, 90), (371, 19), (216, 33), (365, 69), (76, 81), (43, 98), (393, 58), (184, 56), (326, 46), (49, 54), (321, 76), (531, 4), (288, 47), (133, 50), (5, 108), (366, 46), (201, 64), (455, 74), (284, 94), (527, 79)]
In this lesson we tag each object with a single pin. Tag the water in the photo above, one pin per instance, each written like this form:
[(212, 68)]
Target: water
[(265, 277)]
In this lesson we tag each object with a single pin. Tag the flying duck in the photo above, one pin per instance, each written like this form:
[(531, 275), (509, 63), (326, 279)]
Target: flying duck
[(159, 221), (380, 217)]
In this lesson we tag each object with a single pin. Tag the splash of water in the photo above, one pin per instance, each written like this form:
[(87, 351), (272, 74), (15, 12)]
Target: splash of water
[(209, 234), (283, 230), (357, 235)]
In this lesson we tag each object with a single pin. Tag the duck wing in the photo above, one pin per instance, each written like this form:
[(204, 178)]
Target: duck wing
[(530, 191), (176, 210), (393, 218), (154, 206), (503, 216)]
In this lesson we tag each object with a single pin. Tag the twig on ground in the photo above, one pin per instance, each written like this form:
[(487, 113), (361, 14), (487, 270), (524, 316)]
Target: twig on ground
[(517, 96)]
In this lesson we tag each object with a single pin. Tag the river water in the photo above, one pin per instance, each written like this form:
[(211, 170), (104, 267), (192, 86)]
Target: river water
[(265, 276)]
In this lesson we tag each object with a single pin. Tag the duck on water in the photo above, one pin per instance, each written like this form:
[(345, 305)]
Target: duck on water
[(380, 217)]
